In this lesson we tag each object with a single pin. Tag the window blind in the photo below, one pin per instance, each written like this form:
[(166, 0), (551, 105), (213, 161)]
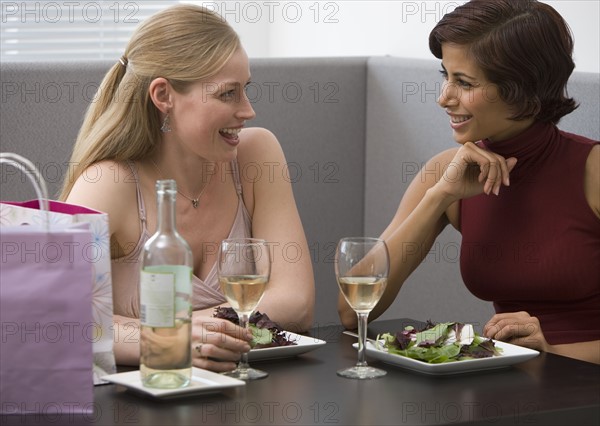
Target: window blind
[(70, 30)]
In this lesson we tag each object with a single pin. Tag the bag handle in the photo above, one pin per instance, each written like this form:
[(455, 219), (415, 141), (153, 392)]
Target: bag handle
[(29, 169)]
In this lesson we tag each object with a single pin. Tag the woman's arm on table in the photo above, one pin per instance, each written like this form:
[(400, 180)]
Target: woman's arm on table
[(126, 338), (290, 296), (585, 351), (520, 328), (222, 342)]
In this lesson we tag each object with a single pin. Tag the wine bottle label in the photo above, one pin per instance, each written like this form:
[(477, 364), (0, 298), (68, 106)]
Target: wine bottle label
[(157, 299)]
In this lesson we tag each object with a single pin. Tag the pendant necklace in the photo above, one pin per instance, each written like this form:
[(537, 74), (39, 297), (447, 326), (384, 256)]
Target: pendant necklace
[(195, 201)]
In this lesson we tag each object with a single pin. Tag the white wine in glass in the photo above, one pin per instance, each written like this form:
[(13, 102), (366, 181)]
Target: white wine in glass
[(361, 267), (243, 292), (362, 293), (244, 268)]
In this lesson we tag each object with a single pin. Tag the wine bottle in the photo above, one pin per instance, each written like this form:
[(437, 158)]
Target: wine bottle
[(165, 300)]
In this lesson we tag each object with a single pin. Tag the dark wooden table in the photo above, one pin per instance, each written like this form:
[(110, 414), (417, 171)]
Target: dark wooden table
[(305, 390)]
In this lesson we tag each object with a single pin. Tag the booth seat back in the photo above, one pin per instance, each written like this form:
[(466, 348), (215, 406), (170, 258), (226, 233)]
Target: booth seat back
[(316, 108), (354, 130)]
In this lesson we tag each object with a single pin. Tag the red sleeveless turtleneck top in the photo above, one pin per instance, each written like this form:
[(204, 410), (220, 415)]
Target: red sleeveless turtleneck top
[(536, 246)]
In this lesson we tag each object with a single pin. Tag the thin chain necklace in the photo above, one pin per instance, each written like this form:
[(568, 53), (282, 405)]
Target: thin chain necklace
[(195, 201)]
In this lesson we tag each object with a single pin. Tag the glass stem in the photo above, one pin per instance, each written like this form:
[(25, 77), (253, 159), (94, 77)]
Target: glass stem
[(362, 338), (243, 364)]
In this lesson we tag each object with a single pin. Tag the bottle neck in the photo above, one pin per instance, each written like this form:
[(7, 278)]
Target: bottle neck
[(166, 194)]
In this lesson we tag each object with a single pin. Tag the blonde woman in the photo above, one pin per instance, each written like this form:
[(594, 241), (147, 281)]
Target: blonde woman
[(174, 106)]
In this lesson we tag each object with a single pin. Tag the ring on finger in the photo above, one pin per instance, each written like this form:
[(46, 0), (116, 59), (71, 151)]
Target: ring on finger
[(198, 349)]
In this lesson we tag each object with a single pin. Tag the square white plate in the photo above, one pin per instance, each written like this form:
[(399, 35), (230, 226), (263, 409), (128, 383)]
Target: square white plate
[(511, 354), (203, 382), (304, 344)]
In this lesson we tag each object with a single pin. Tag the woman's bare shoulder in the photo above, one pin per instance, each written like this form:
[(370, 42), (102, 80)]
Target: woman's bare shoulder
[(107, 186), (105, 177), (592, 179), (258, 143), (257, 133)]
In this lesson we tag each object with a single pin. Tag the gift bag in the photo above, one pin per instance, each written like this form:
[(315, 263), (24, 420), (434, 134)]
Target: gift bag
[(97, 253), (45, 313), (54, 265)]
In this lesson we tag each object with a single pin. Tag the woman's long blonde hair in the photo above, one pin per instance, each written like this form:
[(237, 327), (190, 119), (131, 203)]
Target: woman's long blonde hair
[(183, 44)]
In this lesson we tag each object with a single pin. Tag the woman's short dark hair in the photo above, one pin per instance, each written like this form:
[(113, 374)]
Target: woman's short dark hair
[(523, 46)]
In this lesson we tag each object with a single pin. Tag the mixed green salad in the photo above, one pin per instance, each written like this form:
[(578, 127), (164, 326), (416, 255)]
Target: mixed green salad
[(266, 333), (439, 343)]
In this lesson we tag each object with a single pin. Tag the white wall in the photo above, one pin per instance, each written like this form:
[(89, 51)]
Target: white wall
[(365, 28), (269, 28)]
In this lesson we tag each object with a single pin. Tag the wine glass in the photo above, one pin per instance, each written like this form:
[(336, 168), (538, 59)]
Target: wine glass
[(244, 268), (361, 268)]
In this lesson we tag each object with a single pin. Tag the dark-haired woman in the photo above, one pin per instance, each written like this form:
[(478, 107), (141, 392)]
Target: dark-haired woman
[(516, 182)]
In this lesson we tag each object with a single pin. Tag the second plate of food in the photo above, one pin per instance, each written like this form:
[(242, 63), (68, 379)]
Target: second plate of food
[(303, 344)]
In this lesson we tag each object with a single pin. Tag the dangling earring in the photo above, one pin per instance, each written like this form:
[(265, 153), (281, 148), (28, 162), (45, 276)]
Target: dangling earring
[(165, 128)]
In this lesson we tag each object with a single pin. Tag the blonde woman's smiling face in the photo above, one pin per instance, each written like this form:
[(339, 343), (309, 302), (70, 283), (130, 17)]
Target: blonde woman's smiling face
[(473, 103), (209, 116)]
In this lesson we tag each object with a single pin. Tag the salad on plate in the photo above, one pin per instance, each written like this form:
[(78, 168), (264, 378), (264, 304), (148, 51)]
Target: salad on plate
[(438, 343), (266, 333)]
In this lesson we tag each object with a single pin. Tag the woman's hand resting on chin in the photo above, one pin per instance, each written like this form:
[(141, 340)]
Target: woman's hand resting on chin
[(475, 170)]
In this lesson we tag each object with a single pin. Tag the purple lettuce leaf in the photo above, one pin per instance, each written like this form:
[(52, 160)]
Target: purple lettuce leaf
[(261, 321)]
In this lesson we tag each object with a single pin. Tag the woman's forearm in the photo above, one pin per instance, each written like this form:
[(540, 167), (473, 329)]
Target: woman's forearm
[(126, 340), (585, 351), (292, 311), (408, 239)]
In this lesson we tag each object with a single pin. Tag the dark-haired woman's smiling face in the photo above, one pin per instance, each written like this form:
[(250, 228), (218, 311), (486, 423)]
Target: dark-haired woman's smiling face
[(473, 104)]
